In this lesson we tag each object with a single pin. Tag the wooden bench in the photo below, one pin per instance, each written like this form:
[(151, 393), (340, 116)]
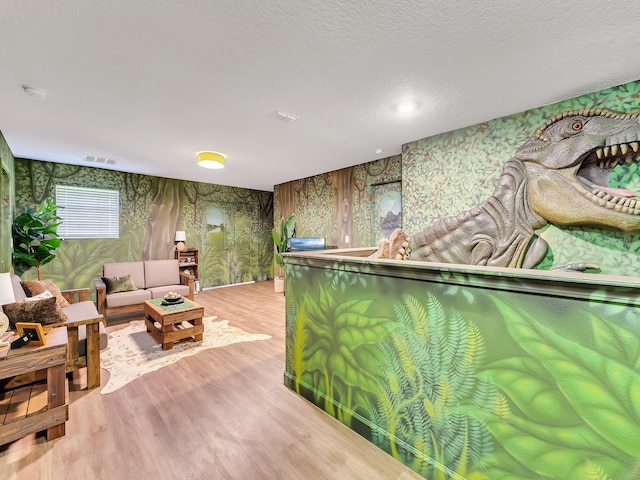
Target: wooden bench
[(38, 407)]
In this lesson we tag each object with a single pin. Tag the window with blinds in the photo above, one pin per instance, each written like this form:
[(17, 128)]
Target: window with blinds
[(88, 212)]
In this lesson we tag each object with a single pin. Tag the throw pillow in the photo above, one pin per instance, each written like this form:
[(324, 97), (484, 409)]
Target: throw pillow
[(36, 287), (40, 296), (123, 283), (44, 311)]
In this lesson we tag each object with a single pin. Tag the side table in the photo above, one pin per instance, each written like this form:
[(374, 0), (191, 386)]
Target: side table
[(173, 323), (40, 406)]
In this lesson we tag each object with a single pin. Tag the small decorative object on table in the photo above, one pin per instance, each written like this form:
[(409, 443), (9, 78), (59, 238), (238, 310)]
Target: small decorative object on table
[(31, 333), (172, 298)]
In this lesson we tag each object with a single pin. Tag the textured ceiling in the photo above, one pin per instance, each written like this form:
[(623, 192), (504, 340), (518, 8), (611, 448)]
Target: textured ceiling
[(149, 83)]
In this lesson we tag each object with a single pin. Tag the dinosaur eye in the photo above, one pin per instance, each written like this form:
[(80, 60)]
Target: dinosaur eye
[(576, 126)]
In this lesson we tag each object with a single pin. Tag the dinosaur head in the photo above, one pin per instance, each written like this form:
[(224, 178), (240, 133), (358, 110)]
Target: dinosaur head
[(568, 161)]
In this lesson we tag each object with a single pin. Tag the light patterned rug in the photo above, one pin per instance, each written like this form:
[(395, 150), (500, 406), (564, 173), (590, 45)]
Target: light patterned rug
[(132, 352)]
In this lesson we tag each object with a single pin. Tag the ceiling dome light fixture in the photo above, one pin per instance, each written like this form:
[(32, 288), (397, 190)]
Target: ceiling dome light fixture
[(213, 160)]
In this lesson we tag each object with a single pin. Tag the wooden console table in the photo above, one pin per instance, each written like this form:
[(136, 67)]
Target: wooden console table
[(173, 323), (39, 406)]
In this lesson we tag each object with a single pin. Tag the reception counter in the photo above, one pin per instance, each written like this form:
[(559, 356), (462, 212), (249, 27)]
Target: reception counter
[(468, 372)]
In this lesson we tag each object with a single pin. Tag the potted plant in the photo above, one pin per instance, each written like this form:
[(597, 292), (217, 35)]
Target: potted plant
[(281, 239), (35, 237)]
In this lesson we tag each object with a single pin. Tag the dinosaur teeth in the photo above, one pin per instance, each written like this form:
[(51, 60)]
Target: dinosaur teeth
[(635, 146), (606, 151), (624, 148), (599, 153), (614, 150), (628, 159)]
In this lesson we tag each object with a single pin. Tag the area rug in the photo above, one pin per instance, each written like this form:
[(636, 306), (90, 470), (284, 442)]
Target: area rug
[(132, 352)]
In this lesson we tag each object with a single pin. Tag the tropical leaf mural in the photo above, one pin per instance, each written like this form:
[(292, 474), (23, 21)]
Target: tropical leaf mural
[(430, 380), (232, 248), (341, 358), (577, 412), (468, 375)]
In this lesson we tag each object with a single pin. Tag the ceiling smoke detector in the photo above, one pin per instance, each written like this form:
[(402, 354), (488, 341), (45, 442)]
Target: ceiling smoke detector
[(34, 92), (284, 116)]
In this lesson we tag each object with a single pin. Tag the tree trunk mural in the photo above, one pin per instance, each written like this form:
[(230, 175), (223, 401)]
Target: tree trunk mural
[(163, 219), (286, 201), (343, 185)]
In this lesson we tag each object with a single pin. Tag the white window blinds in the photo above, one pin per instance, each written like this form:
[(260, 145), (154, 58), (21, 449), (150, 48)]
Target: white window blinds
[(88, 212)]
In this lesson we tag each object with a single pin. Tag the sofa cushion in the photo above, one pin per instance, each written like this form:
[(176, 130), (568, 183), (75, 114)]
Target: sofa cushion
[(40, 296), (127, 298), (36, 287), (158, 292), (159, 273), (44, 311), (135, 269), (119, 284)]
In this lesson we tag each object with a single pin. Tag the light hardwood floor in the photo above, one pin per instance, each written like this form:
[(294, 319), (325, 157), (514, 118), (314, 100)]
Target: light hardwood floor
[(223, 413)]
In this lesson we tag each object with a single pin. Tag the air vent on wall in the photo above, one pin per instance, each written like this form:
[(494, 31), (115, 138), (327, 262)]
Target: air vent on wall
[(101, 160), (284, 116)]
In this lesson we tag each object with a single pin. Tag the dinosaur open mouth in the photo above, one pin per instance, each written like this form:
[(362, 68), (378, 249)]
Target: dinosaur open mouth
[(594, 174)]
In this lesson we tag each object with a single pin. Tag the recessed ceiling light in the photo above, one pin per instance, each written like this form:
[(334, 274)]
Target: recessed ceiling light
[(379, 151), (34, 92), (407, 107)]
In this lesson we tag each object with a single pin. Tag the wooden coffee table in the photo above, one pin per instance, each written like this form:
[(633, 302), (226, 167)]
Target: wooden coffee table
[(168, 324)]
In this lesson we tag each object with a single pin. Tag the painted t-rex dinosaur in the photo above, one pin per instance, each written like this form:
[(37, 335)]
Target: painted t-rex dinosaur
[(560, 175)]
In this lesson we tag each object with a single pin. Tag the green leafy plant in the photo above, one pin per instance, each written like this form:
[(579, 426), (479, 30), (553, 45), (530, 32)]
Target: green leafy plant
[(35, 237), (281, 239)]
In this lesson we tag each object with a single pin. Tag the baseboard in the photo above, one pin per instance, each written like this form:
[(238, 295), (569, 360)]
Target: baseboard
[(225, 286)]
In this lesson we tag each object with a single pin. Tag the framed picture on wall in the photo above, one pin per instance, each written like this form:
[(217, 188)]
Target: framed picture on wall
[(385, 210)]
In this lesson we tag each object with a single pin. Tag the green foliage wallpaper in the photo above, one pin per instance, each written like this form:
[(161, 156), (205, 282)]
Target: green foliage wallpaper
[(230, 226), (450, 173), (340, 204), (6, 203), (459, 379)]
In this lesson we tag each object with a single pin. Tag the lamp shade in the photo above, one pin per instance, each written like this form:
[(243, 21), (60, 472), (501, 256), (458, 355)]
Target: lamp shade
[(6, 289), (213, 160), (181, 236)]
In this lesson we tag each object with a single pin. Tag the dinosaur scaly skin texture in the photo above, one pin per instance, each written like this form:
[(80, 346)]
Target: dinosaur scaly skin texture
[(560, 175)]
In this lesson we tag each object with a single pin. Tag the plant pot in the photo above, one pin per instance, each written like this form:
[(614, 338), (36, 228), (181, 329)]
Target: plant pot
[(278, 284)]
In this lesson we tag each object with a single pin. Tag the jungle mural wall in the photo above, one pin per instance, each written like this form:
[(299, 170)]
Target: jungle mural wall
[(450, 173), (350, 207), (461, 375), (230, 226), (6, 204)]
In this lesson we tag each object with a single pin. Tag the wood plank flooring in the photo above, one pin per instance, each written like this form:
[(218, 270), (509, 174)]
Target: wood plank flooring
[(223, 413)]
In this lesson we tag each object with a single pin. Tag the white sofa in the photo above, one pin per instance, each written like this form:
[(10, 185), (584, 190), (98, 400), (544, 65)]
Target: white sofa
[(151, 278)]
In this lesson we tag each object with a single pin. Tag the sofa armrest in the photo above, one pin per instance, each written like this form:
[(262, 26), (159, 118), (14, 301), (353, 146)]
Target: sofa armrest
[(92, 355), (74, 295), (101, 297), (189, 280)]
